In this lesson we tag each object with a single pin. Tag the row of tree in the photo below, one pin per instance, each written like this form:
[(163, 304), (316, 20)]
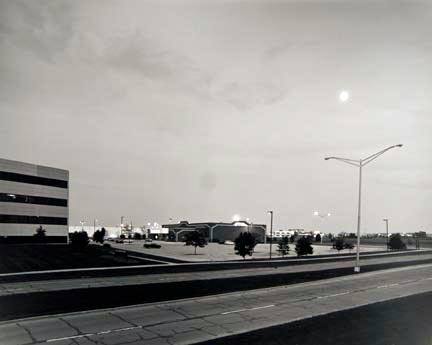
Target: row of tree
[(245, 243)]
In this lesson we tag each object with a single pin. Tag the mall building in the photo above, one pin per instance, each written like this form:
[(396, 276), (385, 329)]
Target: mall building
[(32, 196), (216, 231)]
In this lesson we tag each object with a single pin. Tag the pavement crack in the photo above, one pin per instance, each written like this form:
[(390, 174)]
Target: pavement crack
[(123, 319), (28, 332), (70, 325)]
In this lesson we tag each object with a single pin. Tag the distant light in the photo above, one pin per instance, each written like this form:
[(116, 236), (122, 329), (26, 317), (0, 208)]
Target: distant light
[(316, 213), (236, 218), (344, 96)]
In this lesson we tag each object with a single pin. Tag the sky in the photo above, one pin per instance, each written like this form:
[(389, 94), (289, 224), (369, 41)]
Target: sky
[(199, 110)]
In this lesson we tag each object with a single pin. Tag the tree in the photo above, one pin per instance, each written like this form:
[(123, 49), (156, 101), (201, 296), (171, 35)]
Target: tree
[(304, 246), (244, 244), (99, 235), (339, 244), (196, 239), (396, 243), (78, 239), (283, 247), (40, 235), (318, 238), (293, 238)]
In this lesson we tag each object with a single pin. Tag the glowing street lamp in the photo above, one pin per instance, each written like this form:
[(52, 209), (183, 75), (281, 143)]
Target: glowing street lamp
[(344, 96), (236, 218), (360, 163)]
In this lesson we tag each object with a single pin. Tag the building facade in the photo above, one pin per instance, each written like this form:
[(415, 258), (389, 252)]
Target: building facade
[(216, 231), (33, 196)]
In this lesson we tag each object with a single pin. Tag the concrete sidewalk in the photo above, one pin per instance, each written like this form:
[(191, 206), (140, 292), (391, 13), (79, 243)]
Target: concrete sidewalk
[(200, 319)]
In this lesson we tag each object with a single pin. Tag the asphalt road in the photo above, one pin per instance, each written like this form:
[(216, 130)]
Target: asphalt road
[(209, 318), (397, 322)]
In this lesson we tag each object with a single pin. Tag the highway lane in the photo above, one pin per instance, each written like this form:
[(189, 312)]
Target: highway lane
[(193, 267), (201, 319), (95, 282)]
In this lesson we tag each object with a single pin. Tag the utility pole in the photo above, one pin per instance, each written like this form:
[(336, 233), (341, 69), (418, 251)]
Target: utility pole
[(387, 241), (121, 225), (271, 232)]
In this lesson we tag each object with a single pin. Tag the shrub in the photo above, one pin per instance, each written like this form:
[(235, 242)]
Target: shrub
[(40, 235), (304, 246), (348, 245), (396, 243), (79, 239), (318, 238), (339, 244), (107, 245), (137, 236), (244, 244), (283, 247), (99, 235)]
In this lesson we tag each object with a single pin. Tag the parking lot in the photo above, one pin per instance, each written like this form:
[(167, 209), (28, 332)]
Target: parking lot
[(224, 252)]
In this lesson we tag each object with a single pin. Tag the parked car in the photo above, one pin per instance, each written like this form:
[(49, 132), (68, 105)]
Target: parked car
[(229, 242)]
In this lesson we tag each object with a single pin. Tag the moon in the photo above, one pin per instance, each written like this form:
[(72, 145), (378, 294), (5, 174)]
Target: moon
[(344, 96)]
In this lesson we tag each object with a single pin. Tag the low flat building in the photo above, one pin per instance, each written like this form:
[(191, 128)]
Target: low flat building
[(215, 231), (33, 196)]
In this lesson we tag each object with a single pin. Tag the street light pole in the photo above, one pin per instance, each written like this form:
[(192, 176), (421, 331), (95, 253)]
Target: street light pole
[(271, 232), (387, 238), (121, 225), (322, 216), (360, 163)]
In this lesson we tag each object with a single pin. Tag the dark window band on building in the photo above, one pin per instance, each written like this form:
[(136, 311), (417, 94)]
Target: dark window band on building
[(10, 218), (29, 199), (44, 181)]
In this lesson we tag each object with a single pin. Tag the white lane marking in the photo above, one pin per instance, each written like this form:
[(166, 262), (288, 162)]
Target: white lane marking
[(233, 311), (103, 332), (71, 337), (266, 306), (247, 309), (381, 286), (126, 329), (90, 334), (334, 295)]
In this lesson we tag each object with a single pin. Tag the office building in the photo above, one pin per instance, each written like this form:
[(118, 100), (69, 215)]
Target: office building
[(215, 231), (33, 196)]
